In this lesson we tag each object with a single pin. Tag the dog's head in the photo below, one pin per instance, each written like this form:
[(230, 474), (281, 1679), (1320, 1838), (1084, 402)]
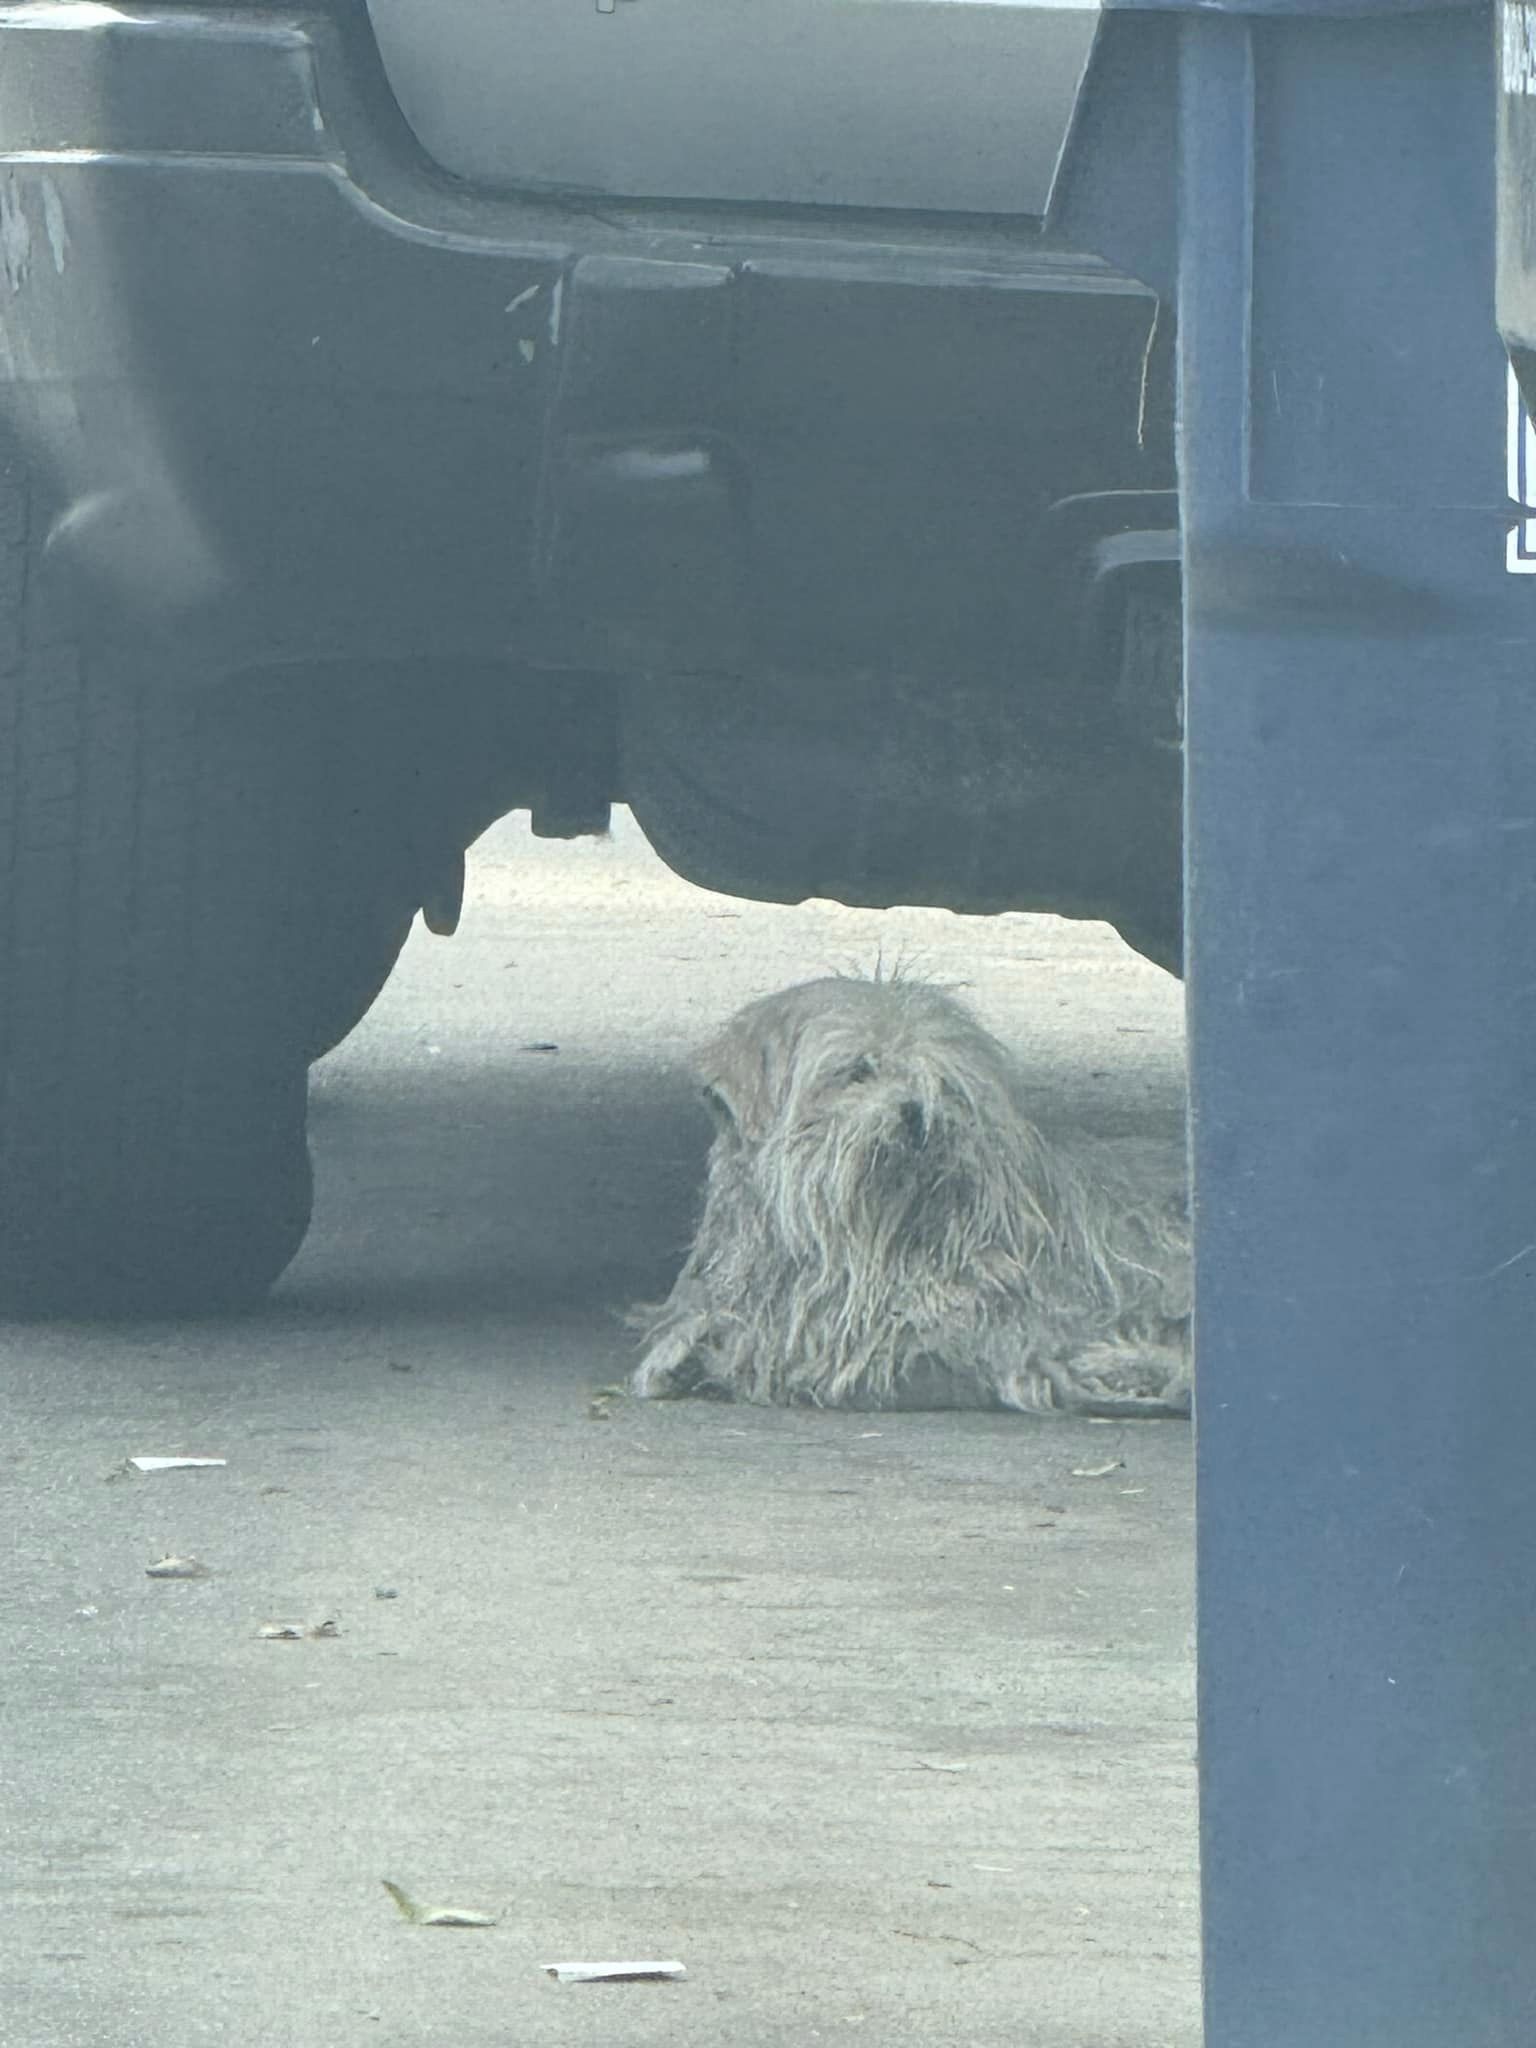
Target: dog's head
[(888, 1078)]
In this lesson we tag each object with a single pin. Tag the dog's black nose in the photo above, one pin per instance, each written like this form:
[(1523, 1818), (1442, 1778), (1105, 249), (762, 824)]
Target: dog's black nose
[(914, 1123)]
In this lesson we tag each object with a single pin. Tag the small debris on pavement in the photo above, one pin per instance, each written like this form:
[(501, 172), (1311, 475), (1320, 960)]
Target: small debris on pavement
[(177, 1568), (86, 1613), (614, 1973), (386, 1592), (598, 1409), (146, 1464), (297, 1631), (435, 1916), (540, 1045), (923, 1764), (912, 1934), (1098, 1471)]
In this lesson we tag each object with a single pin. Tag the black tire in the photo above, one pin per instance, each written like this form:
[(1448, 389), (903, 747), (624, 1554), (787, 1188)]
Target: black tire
[(152, 1080), (371, 746), (348, 967)]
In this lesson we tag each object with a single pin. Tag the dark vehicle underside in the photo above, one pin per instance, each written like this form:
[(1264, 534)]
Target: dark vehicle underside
[(347, 505)]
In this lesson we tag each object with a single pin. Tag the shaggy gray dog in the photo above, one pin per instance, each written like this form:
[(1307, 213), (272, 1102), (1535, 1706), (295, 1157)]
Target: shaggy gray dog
[(886, 1226)]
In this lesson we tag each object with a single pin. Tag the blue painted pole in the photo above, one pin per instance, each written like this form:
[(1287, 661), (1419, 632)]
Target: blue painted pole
[(1361, 943)]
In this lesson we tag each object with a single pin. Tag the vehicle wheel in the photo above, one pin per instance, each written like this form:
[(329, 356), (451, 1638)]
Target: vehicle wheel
[(152, 1083), (371, 755), (348, 968)]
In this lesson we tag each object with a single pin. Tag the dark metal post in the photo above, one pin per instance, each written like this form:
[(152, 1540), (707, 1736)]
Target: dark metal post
[(1361, 940)]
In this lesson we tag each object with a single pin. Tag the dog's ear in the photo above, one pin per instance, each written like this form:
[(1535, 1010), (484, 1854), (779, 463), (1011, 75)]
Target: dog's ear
[(719, 1107), (735, 1108), (737, 1074)]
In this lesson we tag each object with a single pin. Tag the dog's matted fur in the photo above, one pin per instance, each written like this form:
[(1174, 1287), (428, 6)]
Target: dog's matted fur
[(885, 1225)]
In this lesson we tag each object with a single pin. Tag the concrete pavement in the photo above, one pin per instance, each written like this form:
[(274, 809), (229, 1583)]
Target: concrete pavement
[(882, 1725)]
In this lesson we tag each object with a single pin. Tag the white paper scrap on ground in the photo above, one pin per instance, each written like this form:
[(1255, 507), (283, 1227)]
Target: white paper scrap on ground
[(177, 1568), (174, 1464), (612, 1973)]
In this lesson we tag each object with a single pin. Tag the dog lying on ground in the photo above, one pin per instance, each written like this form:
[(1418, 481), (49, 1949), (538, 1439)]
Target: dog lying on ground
[(886, 1226)]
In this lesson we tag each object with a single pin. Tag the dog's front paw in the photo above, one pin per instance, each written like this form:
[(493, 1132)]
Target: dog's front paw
[(673, 1366)]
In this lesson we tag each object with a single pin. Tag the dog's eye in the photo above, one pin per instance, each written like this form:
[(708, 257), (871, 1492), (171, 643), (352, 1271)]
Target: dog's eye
[(861, 1070)]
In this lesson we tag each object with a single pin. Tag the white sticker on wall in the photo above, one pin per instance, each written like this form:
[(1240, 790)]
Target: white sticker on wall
[(1519, 47), (1520, 548)]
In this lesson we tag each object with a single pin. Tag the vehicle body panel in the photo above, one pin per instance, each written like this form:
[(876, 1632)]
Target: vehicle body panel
[(947, 105)]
